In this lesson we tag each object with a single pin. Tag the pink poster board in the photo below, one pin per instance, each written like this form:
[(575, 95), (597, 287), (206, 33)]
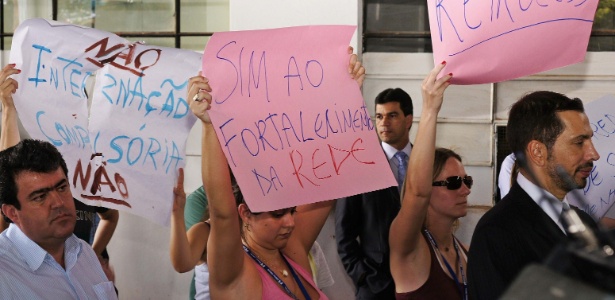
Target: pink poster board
[(290, 119), (498, 40)]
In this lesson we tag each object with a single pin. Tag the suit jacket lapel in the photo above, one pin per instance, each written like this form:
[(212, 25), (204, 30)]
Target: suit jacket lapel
[(542, 223)]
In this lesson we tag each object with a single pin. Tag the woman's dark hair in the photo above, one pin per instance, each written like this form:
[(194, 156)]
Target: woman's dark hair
[(442, 155)]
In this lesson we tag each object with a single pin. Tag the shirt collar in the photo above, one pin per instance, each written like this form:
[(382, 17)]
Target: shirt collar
[(33, 254), (390, 150), (30, 251), (551, 206)]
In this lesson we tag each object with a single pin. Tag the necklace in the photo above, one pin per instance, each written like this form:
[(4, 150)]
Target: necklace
[(281, 270), (276, 278), (463, 285)]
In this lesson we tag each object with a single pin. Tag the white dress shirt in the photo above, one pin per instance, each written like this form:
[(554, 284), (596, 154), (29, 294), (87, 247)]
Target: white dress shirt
[(27, 271), (547, 202)]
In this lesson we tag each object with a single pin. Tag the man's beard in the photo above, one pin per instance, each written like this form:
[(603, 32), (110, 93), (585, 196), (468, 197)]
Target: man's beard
[(565, 181)]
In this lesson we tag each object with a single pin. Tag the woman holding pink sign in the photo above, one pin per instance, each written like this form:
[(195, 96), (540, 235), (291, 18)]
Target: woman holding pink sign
[(263, 255), (427, 260)]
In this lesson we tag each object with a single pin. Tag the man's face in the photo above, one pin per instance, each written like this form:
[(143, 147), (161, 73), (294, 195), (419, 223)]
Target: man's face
[(392, 125), (573, 152), (47, 213)]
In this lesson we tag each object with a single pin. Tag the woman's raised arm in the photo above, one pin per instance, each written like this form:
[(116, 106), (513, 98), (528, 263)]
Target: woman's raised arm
[(225, 255), (405, 232)]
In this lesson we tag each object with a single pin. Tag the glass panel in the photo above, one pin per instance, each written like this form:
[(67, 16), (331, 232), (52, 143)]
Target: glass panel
[(204, 16), (7, 44), (396, 15), (16, 11), (604, 20), (601, 43), (10, 18), (154, 41), (414, 45), (604, 15), (196, 43), (78, 12), (135, 15)]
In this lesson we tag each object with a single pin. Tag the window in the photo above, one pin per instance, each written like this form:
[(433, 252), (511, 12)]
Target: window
[(182, 24), (403, 26)]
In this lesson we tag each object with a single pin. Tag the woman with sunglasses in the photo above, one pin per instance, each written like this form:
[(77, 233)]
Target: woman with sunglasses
[(254, 255), (427, 261)]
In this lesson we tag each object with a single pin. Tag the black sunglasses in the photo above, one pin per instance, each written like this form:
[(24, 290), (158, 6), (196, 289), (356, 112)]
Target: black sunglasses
[(454, 182)]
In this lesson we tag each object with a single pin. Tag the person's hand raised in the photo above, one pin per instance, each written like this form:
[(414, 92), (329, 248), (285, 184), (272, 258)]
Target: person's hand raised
[(355, 68), (200, 97), (8, 85), (433, 88)]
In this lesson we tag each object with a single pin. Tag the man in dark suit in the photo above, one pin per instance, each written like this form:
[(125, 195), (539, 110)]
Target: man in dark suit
[(363, 221), (551, 136)]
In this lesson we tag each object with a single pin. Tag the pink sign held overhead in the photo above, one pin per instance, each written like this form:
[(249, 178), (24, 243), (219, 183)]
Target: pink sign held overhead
[(498, 40), (290, 119)]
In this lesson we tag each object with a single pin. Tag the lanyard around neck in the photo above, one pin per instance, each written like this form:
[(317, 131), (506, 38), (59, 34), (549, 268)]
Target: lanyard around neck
[(462, 286), (303, 290), (275, 276)]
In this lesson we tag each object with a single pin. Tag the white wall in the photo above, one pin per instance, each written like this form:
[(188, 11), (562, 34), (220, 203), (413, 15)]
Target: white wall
[(262, 14)]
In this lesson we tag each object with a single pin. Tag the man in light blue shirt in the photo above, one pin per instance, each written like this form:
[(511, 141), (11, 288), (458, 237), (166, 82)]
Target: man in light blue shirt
[(40, 258)]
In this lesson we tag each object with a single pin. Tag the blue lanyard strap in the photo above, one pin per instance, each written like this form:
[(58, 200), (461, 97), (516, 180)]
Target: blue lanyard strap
[(464, 290), (303, 290), (275, 277)]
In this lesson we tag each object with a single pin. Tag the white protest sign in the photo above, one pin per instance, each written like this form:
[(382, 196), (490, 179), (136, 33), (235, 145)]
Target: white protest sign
[(600, 188), (125, 152)]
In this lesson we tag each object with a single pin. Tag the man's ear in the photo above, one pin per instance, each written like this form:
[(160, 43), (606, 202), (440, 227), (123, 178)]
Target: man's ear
[(537, 153), (10, 212), (409, 119)]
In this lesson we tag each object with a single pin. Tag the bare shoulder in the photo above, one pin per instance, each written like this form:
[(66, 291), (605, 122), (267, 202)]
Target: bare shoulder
[(248, 285), (411, 271), (296, 251)]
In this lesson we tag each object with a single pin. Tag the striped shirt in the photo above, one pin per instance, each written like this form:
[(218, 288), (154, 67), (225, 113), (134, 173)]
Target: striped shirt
[(29, 272)]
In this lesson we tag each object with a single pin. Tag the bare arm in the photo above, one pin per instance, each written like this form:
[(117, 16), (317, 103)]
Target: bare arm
[(225, 253), (3, 224), (105, 230), (186, 248), (607, 222), (405, 230), (309, 219), (10, 131), (355, 68), (9, 134)]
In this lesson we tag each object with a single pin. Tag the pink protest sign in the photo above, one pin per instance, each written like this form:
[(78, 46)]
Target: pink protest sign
[(292, 123), (498, 40)]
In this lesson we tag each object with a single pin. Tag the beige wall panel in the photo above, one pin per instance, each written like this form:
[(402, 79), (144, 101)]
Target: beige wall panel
[(482, 190), (587, 90), (463, 103), (471, 140)]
